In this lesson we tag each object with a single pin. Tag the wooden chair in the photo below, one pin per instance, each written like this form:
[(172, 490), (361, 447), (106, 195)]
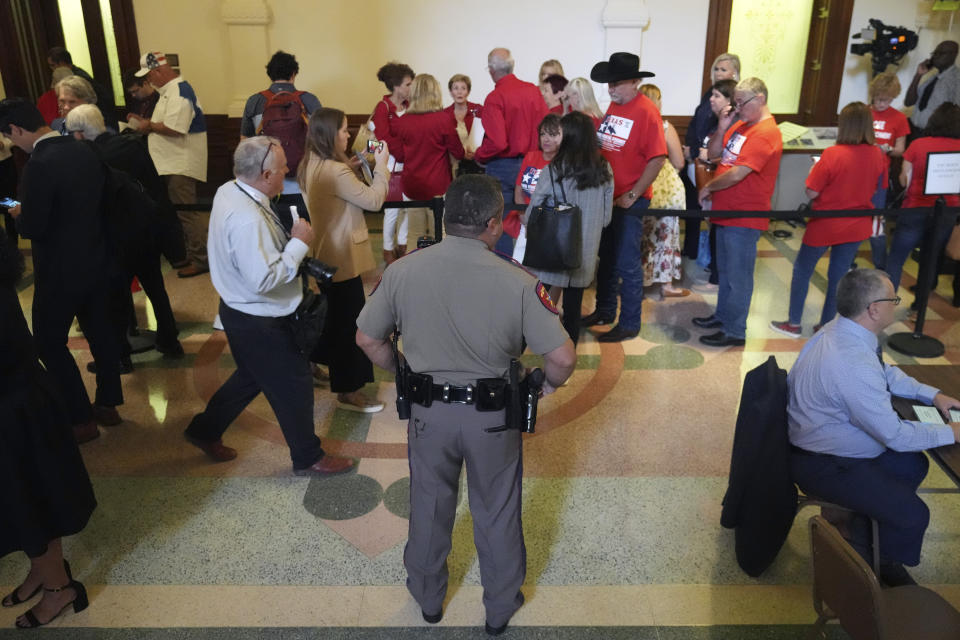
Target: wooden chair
[(845, 588)]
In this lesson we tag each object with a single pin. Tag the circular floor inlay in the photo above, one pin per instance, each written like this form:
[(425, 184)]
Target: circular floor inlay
[(342, 497)]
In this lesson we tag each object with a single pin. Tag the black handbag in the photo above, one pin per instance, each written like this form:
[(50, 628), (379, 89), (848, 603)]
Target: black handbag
[(554, 234), (306, 322)]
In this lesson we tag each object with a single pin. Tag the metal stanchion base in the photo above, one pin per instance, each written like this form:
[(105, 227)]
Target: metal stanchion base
[(917, 346), (145, 340)]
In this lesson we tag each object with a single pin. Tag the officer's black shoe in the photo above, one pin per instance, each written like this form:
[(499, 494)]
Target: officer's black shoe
[(496, 631), (432, 619), (708, 322), (721, 339), (595, 318), (617, 334)]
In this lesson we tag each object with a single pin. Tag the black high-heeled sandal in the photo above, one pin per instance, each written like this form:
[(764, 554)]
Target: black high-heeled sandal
[(79, 603), (12, 599)]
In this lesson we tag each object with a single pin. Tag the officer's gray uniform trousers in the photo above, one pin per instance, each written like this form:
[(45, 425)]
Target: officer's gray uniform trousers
[(440, 439)]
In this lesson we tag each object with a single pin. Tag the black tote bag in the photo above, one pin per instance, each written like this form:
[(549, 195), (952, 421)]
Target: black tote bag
[(554, 234)]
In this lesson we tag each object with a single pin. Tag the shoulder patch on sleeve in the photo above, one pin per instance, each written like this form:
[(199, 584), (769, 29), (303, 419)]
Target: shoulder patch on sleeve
[(546, 300)]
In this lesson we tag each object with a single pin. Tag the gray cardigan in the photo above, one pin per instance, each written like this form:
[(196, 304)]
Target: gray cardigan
[(596, 206)]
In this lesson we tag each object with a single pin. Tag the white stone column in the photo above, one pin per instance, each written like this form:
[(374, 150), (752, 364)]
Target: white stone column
[(248, 49), (623, 23)]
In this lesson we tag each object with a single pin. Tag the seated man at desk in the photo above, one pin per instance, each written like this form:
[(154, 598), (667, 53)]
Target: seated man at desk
[(848, 445)]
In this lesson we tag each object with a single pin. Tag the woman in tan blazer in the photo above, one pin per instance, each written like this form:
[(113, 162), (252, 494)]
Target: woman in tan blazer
[(336, 200)]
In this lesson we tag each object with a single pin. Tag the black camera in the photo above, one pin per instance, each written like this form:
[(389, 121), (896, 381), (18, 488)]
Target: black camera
[(887, 44), (321, 272), (425, 241)]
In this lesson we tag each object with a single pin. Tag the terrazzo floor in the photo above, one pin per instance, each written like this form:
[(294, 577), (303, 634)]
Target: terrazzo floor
[(622, 491)]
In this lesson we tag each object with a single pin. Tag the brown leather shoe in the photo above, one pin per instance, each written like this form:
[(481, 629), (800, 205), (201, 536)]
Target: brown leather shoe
[(85, 432), (327, 466), (106, 416), (216, 450), (192, 270)]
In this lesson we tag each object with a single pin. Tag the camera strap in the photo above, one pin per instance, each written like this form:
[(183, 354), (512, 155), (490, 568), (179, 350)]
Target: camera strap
[(270, 214)]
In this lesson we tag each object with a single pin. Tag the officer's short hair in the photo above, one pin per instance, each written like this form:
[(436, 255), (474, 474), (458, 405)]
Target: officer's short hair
[(858, 288), (470, 202)]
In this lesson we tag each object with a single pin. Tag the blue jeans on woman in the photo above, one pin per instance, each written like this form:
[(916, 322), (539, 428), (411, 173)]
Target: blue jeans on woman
[(909, 234), (841, 256)]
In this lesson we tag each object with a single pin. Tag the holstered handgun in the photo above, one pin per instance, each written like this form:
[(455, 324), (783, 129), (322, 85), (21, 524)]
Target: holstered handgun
[(532, 385), (403, 371)]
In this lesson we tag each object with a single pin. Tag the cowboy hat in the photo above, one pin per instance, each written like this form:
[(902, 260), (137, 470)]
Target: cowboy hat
[(622, 66)]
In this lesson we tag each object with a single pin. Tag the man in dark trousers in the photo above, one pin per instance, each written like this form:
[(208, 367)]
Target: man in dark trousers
[(59, 57), (451, 303), (61, 192), (140, 256)]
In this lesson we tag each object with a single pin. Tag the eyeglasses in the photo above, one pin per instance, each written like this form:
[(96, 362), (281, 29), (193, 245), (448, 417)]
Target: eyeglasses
[(265, 156), (895, 301), (741, 105)]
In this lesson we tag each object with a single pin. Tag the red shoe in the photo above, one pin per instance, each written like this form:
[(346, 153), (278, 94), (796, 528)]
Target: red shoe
[(85, 432), (327, 466), (215, 450)]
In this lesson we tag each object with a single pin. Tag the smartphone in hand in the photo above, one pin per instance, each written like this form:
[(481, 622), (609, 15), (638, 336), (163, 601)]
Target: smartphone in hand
[(8, 203)]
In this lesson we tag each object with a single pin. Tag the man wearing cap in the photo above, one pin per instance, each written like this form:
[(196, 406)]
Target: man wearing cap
[(177, 139), (631, 139), (748, 145), (511, 114)]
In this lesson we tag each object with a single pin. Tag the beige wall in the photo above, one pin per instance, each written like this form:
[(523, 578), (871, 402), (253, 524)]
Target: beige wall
[(340, 44)]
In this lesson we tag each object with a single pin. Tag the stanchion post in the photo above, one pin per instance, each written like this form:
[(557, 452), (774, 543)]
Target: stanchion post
[(916, 344), (437, 208)]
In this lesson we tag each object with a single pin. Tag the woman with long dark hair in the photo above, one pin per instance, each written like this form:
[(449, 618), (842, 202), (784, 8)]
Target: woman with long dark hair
[(845, 177), (584, 176), (336, 200)]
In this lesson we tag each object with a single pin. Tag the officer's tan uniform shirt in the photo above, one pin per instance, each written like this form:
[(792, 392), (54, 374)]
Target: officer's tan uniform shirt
[(463, 311)]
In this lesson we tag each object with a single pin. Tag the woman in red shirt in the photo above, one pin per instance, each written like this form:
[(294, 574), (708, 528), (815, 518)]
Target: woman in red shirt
[(550, 135), (425, 136), (551, 88), (397, 78), (466, 113), (845, 178), (890, 128), (942, 134), (578, 96)]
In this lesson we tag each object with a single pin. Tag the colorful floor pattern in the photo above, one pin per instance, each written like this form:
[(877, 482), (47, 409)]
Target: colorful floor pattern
[(622, 491)]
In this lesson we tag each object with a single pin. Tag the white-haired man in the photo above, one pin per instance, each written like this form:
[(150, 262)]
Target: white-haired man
[(254, 266)]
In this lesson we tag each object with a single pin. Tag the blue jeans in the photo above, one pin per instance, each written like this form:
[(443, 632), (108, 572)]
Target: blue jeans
[(505, 170), (909, 234), (621, 268), (841, 256), (736, 257), (883, 488)]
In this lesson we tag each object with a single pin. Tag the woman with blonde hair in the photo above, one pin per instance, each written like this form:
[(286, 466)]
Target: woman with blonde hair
[(890, 128), (426, 136), (661, 237), (549, 68), (336, 200), (578, 96)]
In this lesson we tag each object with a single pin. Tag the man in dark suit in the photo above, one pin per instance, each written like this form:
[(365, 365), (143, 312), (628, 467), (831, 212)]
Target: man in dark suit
[(140, 255), (61, 192)]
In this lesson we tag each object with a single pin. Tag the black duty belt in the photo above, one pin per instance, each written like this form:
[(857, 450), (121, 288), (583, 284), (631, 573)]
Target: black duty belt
[(488, 394)]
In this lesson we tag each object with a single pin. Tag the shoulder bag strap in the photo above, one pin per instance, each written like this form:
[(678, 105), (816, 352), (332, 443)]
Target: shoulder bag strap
[(563, 193)]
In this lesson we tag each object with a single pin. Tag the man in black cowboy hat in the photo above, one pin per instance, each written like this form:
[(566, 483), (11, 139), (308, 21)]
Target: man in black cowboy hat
[(631, 139)]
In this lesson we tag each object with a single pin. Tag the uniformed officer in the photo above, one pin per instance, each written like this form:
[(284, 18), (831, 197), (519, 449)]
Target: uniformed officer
[(464, 312)]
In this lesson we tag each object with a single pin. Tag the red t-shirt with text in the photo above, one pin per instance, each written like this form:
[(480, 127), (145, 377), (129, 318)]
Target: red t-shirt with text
[(630, 136), (916, 155), (759, 147), (846, 178), (888, 125)]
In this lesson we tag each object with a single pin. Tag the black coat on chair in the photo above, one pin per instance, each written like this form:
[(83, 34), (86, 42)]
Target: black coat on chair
[(761, 498)]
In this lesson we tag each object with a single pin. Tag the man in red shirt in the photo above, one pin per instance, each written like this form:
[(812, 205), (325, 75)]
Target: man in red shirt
[(631, 139), (745, 179), (511, 114)]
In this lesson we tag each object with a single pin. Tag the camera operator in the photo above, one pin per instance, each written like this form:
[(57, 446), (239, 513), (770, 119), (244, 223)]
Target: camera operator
[(942, 87), (255, 267), (464, 313)]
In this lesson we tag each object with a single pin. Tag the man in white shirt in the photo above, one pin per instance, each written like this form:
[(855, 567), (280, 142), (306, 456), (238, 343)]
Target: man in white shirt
[(254, 266), (177, 138)]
